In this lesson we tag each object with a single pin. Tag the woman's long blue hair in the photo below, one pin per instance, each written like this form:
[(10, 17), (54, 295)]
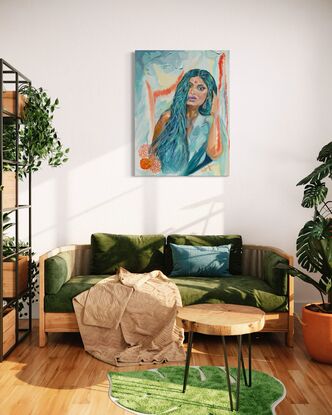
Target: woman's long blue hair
[(171, 145)]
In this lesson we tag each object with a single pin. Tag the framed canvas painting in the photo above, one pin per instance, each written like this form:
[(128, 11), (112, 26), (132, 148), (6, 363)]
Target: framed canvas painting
[(181, 113)]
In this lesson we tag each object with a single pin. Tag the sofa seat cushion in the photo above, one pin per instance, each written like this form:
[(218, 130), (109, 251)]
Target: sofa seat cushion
[(61, 302), (237, 289)]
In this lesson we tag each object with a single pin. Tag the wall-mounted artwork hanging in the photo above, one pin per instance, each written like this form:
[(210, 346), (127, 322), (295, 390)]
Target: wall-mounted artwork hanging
[(181, 113)]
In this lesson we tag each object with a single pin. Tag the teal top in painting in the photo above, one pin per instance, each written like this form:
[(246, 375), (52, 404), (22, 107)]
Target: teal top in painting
[(197, 142)]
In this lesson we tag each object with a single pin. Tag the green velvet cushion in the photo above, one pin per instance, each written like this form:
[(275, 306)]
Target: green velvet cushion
[(276, 278), (61, 302), (239, 289), (57, 272), (235, 241), (136, 253)]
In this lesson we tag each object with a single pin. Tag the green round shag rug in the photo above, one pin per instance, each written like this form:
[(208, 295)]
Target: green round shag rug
[(159, 391)]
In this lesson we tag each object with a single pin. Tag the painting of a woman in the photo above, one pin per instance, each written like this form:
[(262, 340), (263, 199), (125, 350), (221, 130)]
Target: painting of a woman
[(181, 113), (185, 137)]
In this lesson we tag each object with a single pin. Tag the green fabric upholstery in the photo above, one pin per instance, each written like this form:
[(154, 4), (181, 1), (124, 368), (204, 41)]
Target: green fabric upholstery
[(61, 302), (57, 272), (239, 289), (276, 278), (136, 253), (235, 259)]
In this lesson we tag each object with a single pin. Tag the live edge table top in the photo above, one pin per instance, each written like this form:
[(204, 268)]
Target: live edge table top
[(221, 319)]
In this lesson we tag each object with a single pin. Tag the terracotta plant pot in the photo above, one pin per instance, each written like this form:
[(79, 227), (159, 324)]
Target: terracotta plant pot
[(317, 333), (9, 276), (9, 103)]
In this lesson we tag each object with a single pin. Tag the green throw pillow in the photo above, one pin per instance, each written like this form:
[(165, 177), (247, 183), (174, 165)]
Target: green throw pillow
[(136, 253)]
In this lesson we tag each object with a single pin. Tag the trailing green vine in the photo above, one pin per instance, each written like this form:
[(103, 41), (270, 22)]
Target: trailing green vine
[(38, 139)]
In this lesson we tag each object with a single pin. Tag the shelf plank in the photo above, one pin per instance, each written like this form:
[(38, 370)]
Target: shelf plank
[(16, 208)]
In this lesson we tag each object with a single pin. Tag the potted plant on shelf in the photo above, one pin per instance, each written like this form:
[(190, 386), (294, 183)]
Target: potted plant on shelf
[(314, 253), (9, 266), (38, 139)]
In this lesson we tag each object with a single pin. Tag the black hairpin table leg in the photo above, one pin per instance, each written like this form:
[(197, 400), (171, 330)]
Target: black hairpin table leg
[(240, 363), (186, 371), (228, 378)]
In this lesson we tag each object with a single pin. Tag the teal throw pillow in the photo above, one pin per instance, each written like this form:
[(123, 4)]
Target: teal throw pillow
[(200, 261)]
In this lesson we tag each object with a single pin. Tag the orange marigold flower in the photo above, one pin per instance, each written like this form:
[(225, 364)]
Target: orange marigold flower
[(145, 163)]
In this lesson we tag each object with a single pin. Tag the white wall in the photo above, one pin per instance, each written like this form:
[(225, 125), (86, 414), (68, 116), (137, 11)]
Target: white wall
[(280, 104)]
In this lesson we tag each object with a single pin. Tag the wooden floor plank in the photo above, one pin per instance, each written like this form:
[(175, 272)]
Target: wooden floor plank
[(62, 379)]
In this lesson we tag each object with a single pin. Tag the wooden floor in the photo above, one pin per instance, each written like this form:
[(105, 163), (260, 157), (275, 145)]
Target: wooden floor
[(61, 379)]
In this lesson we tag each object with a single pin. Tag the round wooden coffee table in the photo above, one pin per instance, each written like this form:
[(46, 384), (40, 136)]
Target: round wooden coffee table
[(222, 320)]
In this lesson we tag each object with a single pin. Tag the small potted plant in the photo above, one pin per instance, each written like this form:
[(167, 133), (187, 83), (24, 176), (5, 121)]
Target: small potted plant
[(314, 253), (9, 267)]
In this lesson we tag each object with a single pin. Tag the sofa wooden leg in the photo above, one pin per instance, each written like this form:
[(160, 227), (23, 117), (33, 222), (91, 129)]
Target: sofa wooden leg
[(290, 334), (289, 338), (42, 338)]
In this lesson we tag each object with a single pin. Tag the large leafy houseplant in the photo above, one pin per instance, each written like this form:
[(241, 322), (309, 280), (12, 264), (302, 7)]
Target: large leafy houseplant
[(314, 242), (314, 254), (38, 139)]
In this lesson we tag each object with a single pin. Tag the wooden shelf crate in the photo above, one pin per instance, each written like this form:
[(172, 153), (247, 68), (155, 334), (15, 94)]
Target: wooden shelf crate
[(9, 189), (9, 320), (9, 102), (9, 276)]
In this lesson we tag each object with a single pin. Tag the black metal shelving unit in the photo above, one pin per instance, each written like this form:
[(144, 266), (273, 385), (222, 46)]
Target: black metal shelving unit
[(13, 79)]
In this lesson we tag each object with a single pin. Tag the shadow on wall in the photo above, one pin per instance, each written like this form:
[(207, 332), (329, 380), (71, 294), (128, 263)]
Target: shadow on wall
[(93, 174), (212, 211)]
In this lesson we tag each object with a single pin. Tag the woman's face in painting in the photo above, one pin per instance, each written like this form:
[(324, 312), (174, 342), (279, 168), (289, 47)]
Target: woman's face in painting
[(197, 91)]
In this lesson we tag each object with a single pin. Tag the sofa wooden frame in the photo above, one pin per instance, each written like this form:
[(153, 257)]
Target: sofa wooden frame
[(81, 255)]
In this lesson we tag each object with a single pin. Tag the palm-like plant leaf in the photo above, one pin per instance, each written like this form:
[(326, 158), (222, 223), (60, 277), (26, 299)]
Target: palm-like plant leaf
[(325, 153), (314, 194), (309, 251), (318, 174), (326, 254), (299, 274)]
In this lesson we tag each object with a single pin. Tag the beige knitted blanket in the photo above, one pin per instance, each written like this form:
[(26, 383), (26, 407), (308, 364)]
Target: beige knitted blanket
[(129, 319)]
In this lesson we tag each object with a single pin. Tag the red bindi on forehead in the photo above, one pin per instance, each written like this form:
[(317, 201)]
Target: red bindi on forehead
[(197, 81)]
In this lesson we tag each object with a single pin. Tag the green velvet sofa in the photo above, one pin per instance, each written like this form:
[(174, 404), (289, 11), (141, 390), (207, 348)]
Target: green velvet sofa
[(67, 271)]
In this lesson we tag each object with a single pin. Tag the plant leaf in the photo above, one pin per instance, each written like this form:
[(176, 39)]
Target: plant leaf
[(325, 153), (309, 250), (314, 194), (318, 174), (299, 274)]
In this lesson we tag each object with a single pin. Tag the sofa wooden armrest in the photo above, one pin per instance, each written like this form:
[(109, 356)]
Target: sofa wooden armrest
[(55, 322), (252, 264)]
